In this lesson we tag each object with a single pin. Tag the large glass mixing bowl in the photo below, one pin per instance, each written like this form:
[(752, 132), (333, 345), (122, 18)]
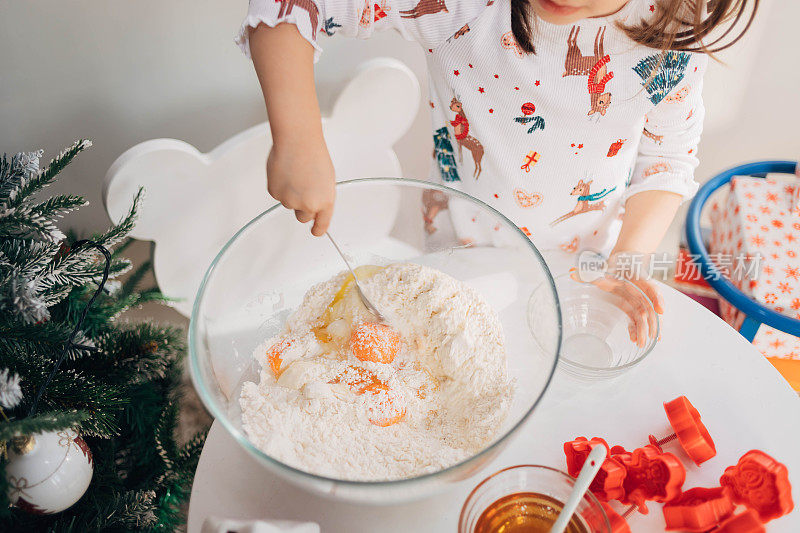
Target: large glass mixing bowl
[(262, 273)]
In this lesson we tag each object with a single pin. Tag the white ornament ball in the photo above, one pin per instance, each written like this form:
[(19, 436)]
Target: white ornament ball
[(51, 474)]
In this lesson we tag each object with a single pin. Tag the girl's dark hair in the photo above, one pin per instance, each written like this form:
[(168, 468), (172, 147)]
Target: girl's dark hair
[(676, 25)]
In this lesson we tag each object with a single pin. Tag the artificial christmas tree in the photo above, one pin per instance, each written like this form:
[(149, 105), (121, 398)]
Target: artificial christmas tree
[(68, 365)]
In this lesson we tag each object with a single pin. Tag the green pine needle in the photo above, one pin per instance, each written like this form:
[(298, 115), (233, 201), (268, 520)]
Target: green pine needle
[(50, 421), (44, 179), (58, 206)]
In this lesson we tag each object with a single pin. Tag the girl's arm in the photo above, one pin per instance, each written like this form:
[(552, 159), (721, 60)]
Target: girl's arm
[(282, 38), (663, 175), (300, 173), (647, 216)]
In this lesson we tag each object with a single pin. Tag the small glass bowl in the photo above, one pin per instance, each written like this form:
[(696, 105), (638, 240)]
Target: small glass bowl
[(533, 479), (596, 338)]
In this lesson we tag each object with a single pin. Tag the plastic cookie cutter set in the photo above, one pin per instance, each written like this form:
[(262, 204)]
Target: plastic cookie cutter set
[(688, 429), (760, 483), (757, 481)]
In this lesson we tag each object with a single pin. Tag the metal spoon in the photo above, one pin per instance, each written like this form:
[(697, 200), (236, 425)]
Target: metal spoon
[(370, 307)]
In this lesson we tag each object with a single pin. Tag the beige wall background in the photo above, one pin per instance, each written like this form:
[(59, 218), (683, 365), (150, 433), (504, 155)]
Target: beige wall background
[(121, 71)]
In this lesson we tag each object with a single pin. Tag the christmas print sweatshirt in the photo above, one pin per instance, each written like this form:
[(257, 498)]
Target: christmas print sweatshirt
[(556, 140)]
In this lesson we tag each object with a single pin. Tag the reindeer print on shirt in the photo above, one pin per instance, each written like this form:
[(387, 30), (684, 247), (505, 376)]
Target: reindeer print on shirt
[(373, 13), (424, 7), (463, 138), (308, 5), (658, 139), (509, 42), (594, 67), (582, 191)]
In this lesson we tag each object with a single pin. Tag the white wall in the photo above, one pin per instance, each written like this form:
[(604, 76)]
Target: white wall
[(122, 71)]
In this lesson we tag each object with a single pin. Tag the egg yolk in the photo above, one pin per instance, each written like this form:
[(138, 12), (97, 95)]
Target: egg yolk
[(360, 380), (274, 354), (378, 343), (343, 306), (387, 408)]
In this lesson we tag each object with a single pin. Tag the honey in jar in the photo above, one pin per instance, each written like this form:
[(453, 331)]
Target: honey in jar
[(525, 512)]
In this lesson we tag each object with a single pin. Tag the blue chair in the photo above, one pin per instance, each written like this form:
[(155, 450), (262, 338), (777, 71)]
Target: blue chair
[(755, 313)]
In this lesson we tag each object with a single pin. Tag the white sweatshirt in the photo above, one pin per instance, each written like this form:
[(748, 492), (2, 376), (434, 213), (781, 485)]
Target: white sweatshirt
[(557, 140)]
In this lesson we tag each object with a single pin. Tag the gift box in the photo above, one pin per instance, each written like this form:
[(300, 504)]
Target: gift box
[(688, 279), (755, 242)]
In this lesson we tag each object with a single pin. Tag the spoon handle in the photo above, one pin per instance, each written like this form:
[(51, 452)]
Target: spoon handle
[(590, 468)]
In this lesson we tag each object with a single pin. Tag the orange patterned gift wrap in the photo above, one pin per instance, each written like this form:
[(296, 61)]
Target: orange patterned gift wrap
[(759, 221)]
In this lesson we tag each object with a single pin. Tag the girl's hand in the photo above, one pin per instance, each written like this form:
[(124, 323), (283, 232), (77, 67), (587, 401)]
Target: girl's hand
[(635, 268), (299, 169), (632, 301), (301, 177)]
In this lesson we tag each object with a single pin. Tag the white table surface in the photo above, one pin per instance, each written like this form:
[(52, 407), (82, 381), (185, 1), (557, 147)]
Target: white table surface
[(743, 400)]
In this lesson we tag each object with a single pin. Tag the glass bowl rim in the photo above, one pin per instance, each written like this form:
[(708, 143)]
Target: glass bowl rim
[(486, 480), (218, 414), (601, 371)]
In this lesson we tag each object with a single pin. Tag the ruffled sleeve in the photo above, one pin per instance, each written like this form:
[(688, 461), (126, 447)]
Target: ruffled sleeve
[(304, 14), (428, 22)]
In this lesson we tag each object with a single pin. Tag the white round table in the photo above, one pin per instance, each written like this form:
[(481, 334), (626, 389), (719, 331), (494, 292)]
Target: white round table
[(743, 400)]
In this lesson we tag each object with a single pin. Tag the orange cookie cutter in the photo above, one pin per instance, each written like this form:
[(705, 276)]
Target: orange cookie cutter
[(688, 429), (699, 509), (746, 522), (651, 475), (617, 522), (760, 483), (607, 484)]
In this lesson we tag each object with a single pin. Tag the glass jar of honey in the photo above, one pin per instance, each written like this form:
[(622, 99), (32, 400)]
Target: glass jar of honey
[(528, 499)]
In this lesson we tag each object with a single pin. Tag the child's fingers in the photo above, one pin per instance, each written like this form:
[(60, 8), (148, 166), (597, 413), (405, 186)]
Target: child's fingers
[(633, 303), (650, 289), (303, 216), (322, 221), (643, 302), (637, 325)]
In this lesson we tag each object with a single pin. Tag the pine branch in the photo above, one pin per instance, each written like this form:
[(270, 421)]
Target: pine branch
[(190, 453), (136, 277), (24, 223), (41, 180), (81, 268), (132, 510), (121, 248), (27, 255), (72, 389), (125, 226), (55, 295), (50, 421), (48, 339), (58, 206), (15, 173)]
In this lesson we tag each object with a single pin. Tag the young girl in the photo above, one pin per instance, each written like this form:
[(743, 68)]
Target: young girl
[(577, 119)]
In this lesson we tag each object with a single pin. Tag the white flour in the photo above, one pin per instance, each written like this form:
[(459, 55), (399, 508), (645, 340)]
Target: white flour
[(449, 376)]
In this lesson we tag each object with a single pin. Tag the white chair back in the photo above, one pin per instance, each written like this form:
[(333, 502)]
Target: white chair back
[(195, 202)]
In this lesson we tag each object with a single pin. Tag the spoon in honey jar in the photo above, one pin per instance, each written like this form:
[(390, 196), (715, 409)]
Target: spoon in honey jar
[(368, 304), (590, 468)]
